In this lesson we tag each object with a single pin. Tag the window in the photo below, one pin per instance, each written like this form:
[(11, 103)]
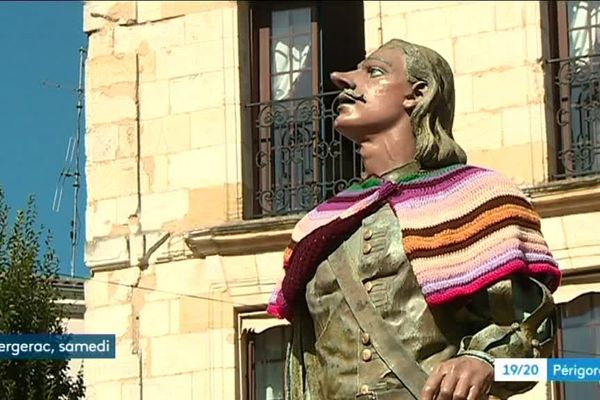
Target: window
[(266, 363), (298, 160), (579, 337), (574, 68)]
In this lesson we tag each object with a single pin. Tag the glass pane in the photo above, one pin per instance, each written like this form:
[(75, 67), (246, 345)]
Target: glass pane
[(581, 16), (270, 348), (301, 20), (280, 23), (301, 52), (302, 84), (280, 55), (281, 87)]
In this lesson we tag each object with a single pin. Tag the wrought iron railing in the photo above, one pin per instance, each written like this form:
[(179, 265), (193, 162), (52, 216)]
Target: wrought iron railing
[(577, 81), (299, 158)]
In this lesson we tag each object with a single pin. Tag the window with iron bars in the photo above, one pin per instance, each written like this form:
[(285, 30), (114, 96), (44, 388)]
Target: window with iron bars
[(573, 62), (298, 159)]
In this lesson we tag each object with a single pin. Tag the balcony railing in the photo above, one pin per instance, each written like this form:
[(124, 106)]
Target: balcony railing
[(299, 158), (577, 81)]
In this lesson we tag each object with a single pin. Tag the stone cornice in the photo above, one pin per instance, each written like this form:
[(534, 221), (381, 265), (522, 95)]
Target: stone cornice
[(567, 197), (243, 237)]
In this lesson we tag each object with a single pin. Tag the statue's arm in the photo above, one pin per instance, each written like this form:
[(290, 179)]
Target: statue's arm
[(516, 320)]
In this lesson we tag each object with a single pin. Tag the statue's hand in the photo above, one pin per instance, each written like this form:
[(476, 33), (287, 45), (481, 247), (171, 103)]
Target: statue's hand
[(460, 378)]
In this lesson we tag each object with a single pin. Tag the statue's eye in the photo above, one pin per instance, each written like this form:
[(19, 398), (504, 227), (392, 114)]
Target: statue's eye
[(375, 72)]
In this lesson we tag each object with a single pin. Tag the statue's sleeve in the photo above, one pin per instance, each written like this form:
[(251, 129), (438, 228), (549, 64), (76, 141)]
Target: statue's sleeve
[(514, 318)]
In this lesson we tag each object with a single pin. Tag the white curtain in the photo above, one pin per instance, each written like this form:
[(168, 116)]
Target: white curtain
[(287, 59)]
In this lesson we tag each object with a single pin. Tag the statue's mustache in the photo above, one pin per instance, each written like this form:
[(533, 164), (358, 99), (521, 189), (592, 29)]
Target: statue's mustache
[(351, 94)]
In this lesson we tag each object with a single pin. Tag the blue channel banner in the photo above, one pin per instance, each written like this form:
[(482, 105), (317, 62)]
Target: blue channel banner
[(547, 369), (54, 347)]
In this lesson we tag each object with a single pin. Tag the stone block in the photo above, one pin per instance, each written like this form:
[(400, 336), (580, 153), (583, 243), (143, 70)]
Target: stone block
[(234, 20), (533, 40), (147, 66), (97, 14), (463, 86), (510, 14), (522, 125), (111, 179), (124, 366), (110, 105), (155, 318), (102, 142), (130, 389), (106, 251), (523, 164), (194, 314), (206, 90), (154, 174), (372, 35), (173, 387), (159, 208), (222, 349), (269, 267), (502, 89), (230, 51), (477, 53), (110, 69), (147, 37), (471, 17), (554, 233), (444, 47), (176, 8), (154, 99), (533, 15), (400, 7), (100, 217), (479, 131), (231, 78), (168, 135), (395, 27), (370, 9), (426, 25), (126, 206), (113, 319), (186, 277), (581, 229), (190, 59), (121, 290), (178, 354), (207, 127), (240, 269), (127, 139), (208, 206), (101, 42), (96, 291), (102, 391), (204, 26), (188, 169)]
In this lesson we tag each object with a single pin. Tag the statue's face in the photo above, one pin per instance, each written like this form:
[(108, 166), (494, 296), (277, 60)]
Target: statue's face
[(375, 95)]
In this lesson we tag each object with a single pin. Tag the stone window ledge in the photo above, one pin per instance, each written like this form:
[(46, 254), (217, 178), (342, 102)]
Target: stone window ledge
[(569, 196), (243, 237)]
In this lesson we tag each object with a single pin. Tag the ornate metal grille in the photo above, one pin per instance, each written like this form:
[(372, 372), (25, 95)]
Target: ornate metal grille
[(299, 159), (578, 115)]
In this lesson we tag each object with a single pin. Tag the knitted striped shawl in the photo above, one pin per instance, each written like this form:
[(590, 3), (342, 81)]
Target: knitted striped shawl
[(463, 229)]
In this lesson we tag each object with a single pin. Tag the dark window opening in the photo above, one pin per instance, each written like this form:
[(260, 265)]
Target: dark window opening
[(579, 337), (298, 159), (574, 68)]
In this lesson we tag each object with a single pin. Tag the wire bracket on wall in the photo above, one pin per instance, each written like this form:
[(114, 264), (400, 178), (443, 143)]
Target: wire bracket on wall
[(71, 170)]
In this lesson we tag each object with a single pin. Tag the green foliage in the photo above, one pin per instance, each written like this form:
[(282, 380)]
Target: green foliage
[(28, 304)]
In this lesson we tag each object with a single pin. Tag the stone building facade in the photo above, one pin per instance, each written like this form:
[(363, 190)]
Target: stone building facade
[(194, 183)]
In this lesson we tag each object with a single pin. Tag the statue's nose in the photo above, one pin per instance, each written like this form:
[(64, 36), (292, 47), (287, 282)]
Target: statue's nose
[(342, 80)]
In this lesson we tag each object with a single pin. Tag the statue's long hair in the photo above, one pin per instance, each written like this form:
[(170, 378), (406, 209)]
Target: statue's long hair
[(432, 117)]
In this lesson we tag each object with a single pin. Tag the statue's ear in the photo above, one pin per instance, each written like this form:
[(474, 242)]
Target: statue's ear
[(419, 89)]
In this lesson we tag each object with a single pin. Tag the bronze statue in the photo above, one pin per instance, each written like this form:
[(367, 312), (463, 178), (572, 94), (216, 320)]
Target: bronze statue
[(409, 284)]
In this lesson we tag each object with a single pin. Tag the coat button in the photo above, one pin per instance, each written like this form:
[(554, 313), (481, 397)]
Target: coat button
[(367, 248), (368, 234), (515, 326), (364, 389), (366, 355), (368, 287), (535, 343), (365, 338)]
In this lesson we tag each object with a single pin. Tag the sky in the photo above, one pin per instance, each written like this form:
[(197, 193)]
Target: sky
[(39, 42)]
